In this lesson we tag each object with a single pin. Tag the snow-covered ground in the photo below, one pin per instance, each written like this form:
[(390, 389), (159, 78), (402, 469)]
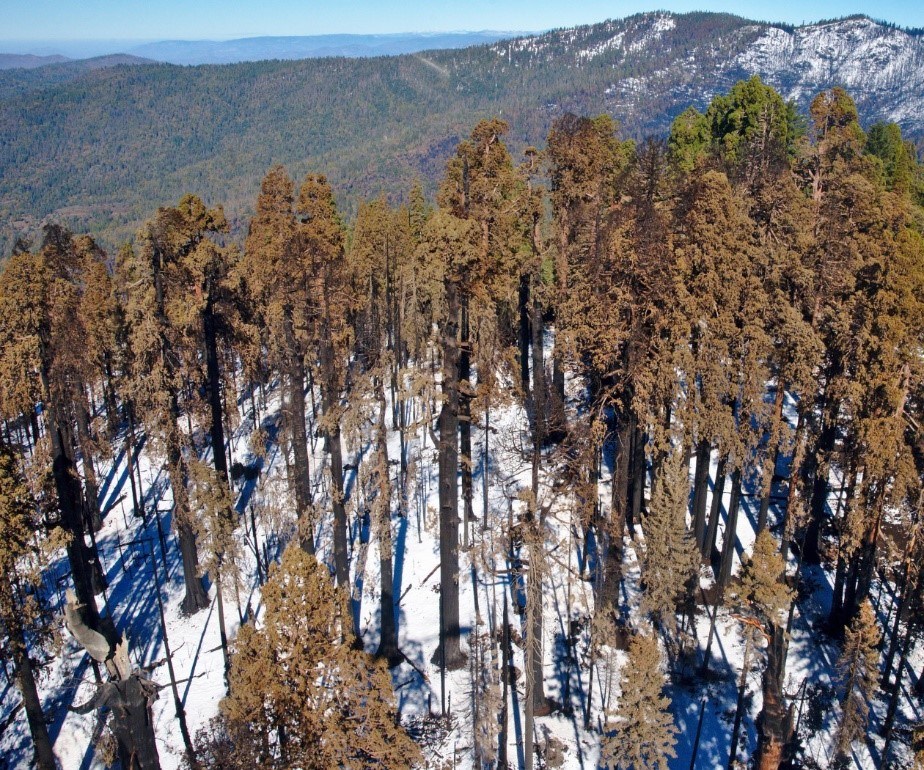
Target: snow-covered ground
[(130, 548)]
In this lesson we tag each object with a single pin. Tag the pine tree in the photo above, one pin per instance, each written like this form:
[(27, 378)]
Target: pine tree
[(164, 327), (42, 362), (838, 178), (670, 560), (300, 695), (723, 304), (275, 277), (642, 733), (449, 248), (858, 677), (765, 598), (585, 160), (320, 243), (481, 186)]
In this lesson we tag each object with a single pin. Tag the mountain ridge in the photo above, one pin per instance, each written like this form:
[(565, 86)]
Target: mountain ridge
[(10, 61), (100, 150), (290, 47)]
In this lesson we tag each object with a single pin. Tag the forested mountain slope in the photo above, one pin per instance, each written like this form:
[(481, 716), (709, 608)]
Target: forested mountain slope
[(96, 149)]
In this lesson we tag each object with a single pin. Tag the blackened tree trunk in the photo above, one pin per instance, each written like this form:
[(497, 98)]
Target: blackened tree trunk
[(730, 539), (195, 598), (341, 559), (213, 383), (774, 726), (795, 479), (449, 653), (836, 617), (909, 598), (638, 474), (619, 494), (83, 560), (80, 556), (330, 401), (110, 401), (523, 336), (818, 467), (131, 459), (91, 488), (700, 485), (388, 644), (896, 689), (539, 389), (715, 510), (25, 681), (133, 720), (129, 695), (294, 384), (465, 423), (769, 469), (866, 564)]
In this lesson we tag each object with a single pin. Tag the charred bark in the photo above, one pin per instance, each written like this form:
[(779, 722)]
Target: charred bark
[(774, 725), (449, 653)]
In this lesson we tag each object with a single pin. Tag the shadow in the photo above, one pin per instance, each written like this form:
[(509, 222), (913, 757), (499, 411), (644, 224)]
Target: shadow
[(567, 669), (192, 669), (57, 703), (399, 548), (518, 726), (351, 472), (117, 467), (255, 465)]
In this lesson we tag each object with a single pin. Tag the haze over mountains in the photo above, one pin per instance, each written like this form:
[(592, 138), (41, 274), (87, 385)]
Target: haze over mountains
[(9, 61), (39, 53), (99, 147), (260, 48)]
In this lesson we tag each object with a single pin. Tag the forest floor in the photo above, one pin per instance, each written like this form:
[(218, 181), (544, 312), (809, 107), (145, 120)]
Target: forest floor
[(131, 547)]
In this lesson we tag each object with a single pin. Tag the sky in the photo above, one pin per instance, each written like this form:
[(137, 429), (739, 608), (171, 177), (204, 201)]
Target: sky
[(137, 20)]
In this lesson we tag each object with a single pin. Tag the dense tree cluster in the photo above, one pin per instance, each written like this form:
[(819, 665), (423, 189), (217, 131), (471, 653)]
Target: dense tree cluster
[(735, 312)]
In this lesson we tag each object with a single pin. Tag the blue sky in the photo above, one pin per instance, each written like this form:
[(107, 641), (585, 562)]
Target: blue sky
[(51, 20)]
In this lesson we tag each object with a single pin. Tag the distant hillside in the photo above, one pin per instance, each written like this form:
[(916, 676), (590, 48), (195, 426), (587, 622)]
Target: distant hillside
[(101, 149), (15, 83), (306, 47), (10, 61)]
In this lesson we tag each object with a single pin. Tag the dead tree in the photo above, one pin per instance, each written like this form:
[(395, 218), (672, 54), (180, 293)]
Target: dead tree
[(129, 693)]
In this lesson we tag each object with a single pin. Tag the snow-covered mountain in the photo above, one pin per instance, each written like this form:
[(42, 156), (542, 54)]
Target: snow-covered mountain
[(879, 65), (662, 61)]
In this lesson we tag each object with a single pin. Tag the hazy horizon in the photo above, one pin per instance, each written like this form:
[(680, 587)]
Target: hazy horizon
[(54, 26)]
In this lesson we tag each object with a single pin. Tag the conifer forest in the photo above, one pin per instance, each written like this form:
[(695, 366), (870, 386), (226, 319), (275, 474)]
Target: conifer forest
[(608, 456)]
